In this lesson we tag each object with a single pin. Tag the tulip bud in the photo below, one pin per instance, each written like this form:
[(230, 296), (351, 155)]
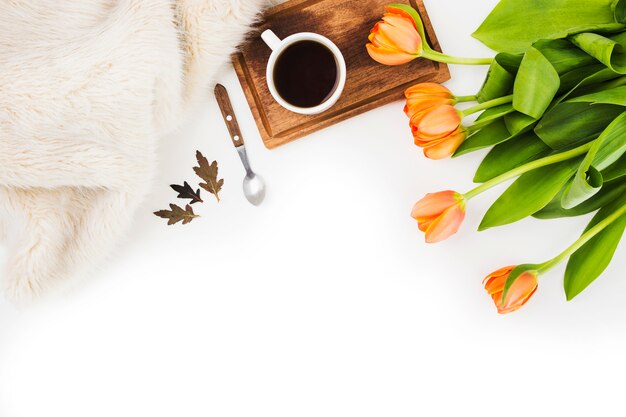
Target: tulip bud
[(434, 122), (424, 96), (439, 215), (395, 39), (518, 294)]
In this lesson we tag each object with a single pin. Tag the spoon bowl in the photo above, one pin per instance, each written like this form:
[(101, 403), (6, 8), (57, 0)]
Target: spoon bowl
[(254, 188)]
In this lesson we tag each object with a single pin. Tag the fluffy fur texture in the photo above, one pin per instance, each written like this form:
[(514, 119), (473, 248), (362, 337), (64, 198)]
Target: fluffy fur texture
[(87, 88)]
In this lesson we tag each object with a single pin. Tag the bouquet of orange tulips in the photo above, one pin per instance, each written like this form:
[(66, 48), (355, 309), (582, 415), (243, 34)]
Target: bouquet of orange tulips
[(552, 110)]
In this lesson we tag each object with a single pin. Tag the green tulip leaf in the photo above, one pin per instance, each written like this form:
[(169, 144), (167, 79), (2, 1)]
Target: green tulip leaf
[(583, 81), (492, 114), (615, 95), (518, 122), (574, 67), (536, 84), (608, 148), (514, 25), (571, 123), (494, 133), (579, 81), (616, 170), (585, 184), (609, 51), (611, 144), (497, 132), (619, 10), (563, 55), (609, 192), (530, 193), (588, 262), (500, 78), (510, 154)]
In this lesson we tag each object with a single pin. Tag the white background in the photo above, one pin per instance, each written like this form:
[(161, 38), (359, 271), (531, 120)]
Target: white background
[(324, 301)]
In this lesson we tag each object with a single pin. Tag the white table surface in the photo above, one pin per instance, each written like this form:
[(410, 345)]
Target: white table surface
[(324, 301)]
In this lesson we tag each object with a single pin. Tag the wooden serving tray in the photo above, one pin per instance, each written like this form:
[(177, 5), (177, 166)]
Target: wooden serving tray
[(369, 84)]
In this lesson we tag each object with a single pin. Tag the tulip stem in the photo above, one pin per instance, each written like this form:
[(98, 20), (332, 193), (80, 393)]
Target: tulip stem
[(487, 105), (548, 160), (447, 59), (464, 99), (586, 237)]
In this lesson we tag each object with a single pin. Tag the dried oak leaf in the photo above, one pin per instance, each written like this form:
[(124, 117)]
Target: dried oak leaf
[(177, 214), (208, 172), (185, 191)]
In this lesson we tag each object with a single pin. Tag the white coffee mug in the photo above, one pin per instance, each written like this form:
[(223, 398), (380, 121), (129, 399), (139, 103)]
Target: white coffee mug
[(278, 46)]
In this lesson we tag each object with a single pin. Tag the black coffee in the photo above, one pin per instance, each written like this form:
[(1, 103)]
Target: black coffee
[(305, 74)]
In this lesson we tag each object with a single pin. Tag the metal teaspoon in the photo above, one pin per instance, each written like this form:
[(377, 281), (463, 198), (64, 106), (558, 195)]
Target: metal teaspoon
[(253, 185)]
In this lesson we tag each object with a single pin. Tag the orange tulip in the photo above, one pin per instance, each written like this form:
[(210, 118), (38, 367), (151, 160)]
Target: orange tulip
[(519, 293), (395, 39), (435, 123), (439, 215)]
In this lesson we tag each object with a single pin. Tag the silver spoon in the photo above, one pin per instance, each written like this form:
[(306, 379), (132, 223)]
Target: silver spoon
[(253, 185)]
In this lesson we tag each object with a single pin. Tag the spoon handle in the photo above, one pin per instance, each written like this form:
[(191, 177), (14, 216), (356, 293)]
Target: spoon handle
[(229, 115)]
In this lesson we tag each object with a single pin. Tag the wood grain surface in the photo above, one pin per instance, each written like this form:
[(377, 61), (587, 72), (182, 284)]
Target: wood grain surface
[(369, 84)]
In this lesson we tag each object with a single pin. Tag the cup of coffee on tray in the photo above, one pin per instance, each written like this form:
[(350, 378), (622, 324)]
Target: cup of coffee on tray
[(305, 73)]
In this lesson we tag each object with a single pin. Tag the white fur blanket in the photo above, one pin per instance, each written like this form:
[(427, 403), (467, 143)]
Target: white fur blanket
[(86, 89)]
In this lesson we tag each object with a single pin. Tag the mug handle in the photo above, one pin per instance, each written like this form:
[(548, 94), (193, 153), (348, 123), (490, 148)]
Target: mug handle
[(271, 39)]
